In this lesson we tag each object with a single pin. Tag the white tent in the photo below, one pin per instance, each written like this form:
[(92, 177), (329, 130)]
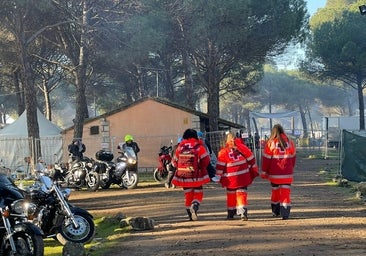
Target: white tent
[(273, 115), (14, 146), (290, 116)]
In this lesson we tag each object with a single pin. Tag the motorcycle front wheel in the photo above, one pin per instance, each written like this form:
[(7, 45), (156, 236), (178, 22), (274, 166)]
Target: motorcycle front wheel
[(105, 185), (104, 181), (160, 175), (130, 180), (83, 234), (92, 181), (26, 243)]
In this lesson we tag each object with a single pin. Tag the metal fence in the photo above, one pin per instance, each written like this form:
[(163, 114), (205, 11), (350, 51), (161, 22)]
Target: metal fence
[(317, 145)]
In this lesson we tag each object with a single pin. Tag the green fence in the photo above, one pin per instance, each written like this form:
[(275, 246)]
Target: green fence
[(353, 156)]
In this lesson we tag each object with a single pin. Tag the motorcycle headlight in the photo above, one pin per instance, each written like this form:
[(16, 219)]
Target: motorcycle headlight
[(132, 161), (23, 207)]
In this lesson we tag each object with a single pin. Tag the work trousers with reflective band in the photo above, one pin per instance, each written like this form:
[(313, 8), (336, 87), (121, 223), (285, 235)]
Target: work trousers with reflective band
[(237, 199), (193, 195), (281, 194)]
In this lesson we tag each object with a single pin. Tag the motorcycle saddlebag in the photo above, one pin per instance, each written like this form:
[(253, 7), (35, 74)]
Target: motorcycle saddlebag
[(103, 155)]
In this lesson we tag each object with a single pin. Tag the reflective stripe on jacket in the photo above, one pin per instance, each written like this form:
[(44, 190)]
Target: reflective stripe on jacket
[(234, 166), (277, 163), (203, 161)]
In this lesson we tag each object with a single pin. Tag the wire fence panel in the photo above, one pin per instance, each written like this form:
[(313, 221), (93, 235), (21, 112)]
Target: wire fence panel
[(13, 152)]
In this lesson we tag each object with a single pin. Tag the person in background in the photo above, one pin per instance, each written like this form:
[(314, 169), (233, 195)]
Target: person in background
[(235, 170), (171, 168), (129, 142), (256, 140), (40, 166), (211, 166), (191, 160), (77, 148), (278, 162)]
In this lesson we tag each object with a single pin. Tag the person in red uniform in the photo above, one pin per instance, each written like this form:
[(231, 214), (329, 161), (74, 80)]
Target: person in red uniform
[(191, 178), (278, 162), (235, 170)]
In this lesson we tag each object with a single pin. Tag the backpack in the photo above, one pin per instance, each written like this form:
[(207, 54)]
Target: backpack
[(187, 161)]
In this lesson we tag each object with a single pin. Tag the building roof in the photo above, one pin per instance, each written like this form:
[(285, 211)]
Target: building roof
[(202, 115)]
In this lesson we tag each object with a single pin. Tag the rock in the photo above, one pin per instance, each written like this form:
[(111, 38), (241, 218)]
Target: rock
[(73, 249), (138, 223), (361, 187), (115, 219)]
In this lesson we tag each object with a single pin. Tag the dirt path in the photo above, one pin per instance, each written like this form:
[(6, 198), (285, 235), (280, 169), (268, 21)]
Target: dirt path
[(325, 220)]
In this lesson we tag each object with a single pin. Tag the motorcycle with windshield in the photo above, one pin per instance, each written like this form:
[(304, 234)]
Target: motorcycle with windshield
[(55, 215), (123, 172), (17, 235)]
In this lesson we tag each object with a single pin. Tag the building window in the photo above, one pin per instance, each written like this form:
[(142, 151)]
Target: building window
[(94, 130)]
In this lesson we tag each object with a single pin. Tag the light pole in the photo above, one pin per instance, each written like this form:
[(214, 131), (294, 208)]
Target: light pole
[(156, 71), (157, 83)]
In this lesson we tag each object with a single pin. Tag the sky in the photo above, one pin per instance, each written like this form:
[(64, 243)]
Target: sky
[(313, 5), (291, 57)]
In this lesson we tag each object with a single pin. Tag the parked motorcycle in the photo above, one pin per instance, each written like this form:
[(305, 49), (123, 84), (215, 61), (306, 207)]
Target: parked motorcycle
[(17, 236), (122, 173), (164, 158), (77, 174), (55, 215)]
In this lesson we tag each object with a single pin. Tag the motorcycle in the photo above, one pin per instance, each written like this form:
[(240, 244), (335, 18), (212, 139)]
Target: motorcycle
[(17, 236), (122, 173), (164, 158), (55, 215), (77, 174)]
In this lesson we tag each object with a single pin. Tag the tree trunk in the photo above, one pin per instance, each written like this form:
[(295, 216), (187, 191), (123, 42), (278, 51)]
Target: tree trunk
[(80, 114), (19, 92), (213, 101), (303, 120), (187, 66), (169, 85), (80, 78), (361, 104), (188, 81), (167, 80), (30, 103), (247, 120), (46, 95), (311, 123)]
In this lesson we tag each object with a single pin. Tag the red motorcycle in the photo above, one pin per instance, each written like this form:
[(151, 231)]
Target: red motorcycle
[(161, 172)]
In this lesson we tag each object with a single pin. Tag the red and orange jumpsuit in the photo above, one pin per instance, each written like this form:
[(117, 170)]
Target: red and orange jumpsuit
[(193, 187), (233, 169), (278, 167)]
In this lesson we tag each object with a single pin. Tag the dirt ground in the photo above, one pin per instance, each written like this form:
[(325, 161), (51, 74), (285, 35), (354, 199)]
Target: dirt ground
[(325, 220)]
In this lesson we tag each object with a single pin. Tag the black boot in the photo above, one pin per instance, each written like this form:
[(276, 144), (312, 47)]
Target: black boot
[(285, 212), (244, 215), (231, 214), (171, 171), (276, 209), (189, 214), (194, 209), (168, 182)]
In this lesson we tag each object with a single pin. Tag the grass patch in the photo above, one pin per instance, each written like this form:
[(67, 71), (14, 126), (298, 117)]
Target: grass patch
[(317, 153), (107, 230), (107, 235)]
